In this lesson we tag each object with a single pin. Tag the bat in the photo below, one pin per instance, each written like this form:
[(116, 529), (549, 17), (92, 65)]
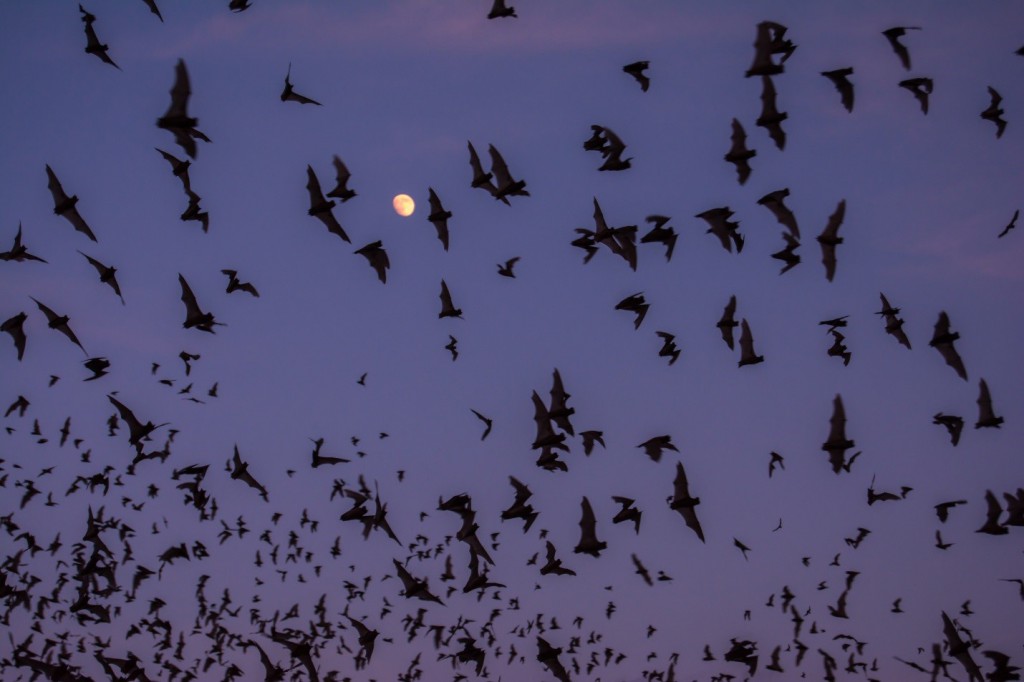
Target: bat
[(921, 88), (942, 341), (342, 175), (93, 45), (893, 35), (15, 327), (636, 70), (837, 443), (108, 275), (829, 239), (506, 186), (439, 218), (374, 253), (289, 95), (19, 252), (176, 118), (771, 118), (194, 316), (739, 155), (727, 323), (776, 203), (60, 323), (682, 502), (320, 207), (841, 80), (63, 205), (747, 354), (994, 112)]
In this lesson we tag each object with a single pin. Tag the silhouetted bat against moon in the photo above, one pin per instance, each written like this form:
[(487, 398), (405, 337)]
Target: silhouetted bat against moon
[(739, 155), (108, 275), (63, 205), (829, 239), (893, 35), (942, 341), (176, 119), (636, 70), (194, 316), (374, 253), (15, 327), (93, 44), (289, 94), (841, 80), (320, 207), (60, 323)]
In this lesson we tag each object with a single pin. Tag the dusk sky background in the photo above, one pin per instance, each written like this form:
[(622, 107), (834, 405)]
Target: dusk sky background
[(403, 87)]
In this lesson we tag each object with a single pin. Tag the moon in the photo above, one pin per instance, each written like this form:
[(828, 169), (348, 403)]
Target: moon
[(404, 205)]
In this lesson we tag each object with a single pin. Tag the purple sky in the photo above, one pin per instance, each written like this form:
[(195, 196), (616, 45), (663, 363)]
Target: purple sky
[(403, 86)]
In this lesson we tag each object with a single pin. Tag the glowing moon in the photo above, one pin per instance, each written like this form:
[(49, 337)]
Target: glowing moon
[(404, 205)]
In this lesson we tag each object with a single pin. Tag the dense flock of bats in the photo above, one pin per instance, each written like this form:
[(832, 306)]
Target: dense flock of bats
[(79, 627)]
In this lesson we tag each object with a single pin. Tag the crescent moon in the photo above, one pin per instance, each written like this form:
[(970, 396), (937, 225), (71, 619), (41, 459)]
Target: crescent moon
[(404, 205)]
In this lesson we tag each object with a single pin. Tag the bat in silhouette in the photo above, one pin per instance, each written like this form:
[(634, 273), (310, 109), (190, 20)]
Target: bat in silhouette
[(179, 168), (838, 348), (960, 650), (488, 423), (739, 155), (788, 255), (654, 446), (921, 88), (98, 367), (59, 323), (63, 205), (837, 443), (546, 436), (19, 252), (439, 218), (588, 544), (239, 5), (1012, 224), (893, 324), (728, 323), (771, 118), (15, 327), (635, 304), (776, 461), (841, 80), (620, 240), (506, 186), (627, 512), (641, 570), (668, 347), (559, 410), (954, 425), (482, 179), (994, 112), (108, 275), (830, 239), (240, 472), (747, 354), (548, 656), (320, 207), (341, 190), (324, 460), (636, 70), (986, 416), (589, 438), (499, 10), (151, 4), (770, 41), (413, 587), (452, 347), (137, 431), (776, 203), (289, 94), (993, 511), (893, 35), (235, 284), (942, 341), (684, 503), (176, 119), (194, 316), (726, 230), (661, 234), (612, 151), (519, 509), (942, 509), (93, 44), (378, 258), (506, 269), (447, 308)]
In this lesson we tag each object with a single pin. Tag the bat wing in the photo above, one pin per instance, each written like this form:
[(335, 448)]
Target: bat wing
[(180, 92), (14, 327), (189, 299)]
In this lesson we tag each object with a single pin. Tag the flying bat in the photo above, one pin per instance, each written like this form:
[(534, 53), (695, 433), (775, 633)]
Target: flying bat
[(503, 179), (506, 269), (728, 322), (240, 472), (414, 588), (954, 425), (559, 410), (994, 112), (447, 308), (176, 119), (137, 431), (499, 10), (19, 252), (519, 509), (323, 460), (921, 88), (776, 203), (893, 324), (374, 253), (235, 284), (194, 317), (342, 175), (668, 347), (439, 218), (770, 40), (589, 438), (488, 423), (627, 512), (986, 416), (452, 347), (108, 275), (829, 239), (788, 255), (1012, 224), (151, 4), (771, 118), (739, 155), (612, 151), (289, 95), (654, 446), (960, 650), (63, 205), (942, 509), (482, 179), (636, 70), (726, 230), (942, 341), (588, 544), (93, 44), (15, 327), (60, 323), (747, 354), (837, 443), (661, 234), (552, 564), (548, 656), (841, 80), (682, 502), (635, 304), (893, 35), (320, 207)]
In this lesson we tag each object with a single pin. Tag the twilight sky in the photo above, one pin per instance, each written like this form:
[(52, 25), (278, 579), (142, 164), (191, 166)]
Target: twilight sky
[(403, 87)]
